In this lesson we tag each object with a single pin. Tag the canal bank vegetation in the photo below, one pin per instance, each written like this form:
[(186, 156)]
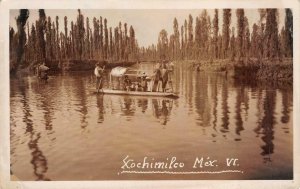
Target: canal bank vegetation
[(212, 41), (72, 48), (262, 51)]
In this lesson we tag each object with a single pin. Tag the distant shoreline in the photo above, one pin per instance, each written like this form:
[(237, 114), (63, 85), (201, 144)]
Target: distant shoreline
[(252, 69)]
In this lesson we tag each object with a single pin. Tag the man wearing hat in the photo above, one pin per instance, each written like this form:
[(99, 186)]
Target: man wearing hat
[(99, 76), (144, 83)]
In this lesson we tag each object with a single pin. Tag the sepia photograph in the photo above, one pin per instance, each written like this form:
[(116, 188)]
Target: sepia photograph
[(151, 94), (191, 94)]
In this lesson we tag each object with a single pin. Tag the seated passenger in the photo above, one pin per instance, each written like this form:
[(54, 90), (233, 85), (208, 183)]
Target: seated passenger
[(127, 83), (144, 84)]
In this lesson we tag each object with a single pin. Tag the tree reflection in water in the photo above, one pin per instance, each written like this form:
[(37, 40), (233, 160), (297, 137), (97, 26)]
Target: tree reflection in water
[(100, 108), (225, 108), (286, 109), (38, 160), (215, 101), (266, 124), (81, 95), (221, 109), (238, 111), (202, 101)]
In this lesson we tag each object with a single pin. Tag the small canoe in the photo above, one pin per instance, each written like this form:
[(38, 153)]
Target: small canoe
[(135, 93)]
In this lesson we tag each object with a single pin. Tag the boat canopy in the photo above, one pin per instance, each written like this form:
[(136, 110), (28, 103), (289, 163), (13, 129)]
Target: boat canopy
[(118, 71), (121, 71)]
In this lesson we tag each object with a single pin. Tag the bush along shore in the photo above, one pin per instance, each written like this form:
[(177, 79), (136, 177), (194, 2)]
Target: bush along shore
[(267, 71), (70, 65), (248, 70), (81, 65)]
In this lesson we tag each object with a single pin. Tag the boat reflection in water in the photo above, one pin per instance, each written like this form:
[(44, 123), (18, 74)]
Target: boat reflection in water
[(61, 131)]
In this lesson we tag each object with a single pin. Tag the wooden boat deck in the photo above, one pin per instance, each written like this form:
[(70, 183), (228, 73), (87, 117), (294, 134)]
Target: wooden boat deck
[(135, 93)]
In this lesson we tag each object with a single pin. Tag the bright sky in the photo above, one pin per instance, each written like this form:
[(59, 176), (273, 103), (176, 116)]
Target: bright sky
[(146, 23)]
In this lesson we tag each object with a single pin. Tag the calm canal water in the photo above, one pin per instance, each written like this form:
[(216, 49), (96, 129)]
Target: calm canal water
[(61, 131)]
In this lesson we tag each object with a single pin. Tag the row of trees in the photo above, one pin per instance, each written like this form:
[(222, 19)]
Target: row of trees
[(195, 39), (45, 43), (204, 40)]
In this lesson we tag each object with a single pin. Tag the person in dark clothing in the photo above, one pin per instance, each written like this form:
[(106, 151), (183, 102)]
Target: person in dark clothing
[(156, 79), (144, 84), (164, 77), (127, 83)]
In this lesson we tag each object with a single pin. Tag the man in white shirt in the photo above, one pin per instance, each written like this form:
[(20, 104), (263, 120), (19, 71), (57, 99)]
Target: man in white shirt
[(99, 76)]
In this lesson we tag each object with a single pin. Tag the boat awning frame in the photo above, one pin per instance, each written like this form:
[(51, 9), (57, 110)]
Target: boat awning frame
[(118, 71)]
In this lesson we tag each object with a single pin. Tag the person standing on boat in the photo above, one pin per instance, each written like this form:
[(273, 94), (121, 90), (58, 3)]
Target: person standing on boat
[(164, 77), (156, 79), (144, 83), (99, 76)]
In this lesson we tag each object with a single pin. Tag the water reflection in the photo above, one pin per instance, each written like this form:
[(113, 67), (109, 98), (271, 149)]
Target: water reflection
[(143, 104), (223, 111), (238, 111), (100, 107), (225, 108), (286, 104), (81, 100), (267, 125), (162, 110), (214, 97), (128, 108), (38, 160), (202, 102)]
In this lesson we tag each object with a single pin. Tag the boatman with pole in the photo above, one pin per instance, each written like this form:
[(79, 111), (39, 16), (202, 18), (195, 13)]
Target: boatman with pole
[(99, 76)]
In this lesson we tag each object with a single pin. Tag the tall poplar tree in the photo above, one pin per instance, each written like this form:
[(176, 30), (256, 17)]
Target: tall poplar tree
[(21, 22), (226, 31), (240, 14), (288, 25)]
